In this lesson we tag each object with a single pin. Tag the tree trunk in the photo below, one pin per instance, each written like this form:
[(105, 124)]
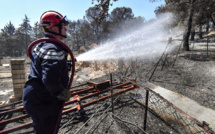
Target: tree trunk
[(192, 34), (26, 45), (97, 38), (208, 26), (200, 32), (188, 29), (213, 23)]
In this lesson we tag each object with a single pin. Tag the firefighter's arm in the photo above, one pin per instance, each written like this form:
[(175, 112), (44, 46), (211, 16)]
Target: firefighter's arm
[(55, 76)]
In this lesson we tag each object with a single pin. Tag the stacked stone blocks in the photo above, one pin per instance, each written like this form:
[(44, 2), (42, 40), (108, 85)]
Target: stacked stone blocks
[(18, 70)]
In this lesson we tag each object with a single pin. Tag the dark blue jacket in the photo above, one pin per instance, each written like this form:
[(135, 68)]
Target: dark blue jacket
[(48, 75)]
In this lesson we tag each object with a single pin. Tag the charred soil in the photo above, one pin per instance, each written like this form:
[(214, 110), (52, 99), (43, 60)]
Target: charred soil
[(190, 73)]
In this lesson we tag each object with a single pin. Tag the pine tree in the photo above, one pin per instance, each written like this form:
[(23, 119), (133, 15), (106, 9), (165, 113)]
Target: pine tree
[(26, 30)]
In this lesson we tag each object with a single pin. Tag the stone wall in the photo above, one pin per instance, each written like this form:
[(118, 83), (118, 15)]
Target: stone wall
[(18, 70)]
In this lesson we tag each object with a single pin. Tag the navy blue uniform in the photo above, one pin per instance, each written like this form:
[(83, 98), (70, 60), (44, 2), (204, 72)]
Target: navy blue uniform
[(47, 79)]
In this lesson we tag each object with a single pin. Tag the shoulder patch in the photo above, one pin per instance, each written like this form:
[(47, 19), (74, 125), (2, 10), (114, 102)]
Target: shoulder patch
[(51, 54)]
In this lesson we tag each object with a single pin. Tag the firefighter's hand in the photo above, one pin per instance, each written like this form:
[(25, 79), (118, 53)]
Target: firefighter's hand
[(64, 95)]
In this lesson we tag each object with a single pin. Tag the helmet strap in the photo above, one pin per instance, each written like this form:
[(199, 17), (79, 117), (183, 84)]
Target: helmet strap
[(59, 28)]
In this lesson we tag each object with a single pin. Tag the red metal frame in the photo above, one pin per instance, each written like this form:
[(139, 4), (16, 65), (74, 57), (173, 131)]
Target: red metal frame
[(83, 93)]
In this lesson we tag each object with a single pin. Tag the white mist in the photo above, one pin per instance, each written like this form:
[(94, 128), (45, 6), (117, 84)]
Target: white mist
[(148, 41)]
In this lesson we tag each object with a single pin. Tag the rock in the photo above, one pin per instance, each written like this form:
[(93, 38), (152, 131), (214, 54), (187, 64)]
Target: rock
[(80, 80), (82, 49), (76, 77), (2, 103)]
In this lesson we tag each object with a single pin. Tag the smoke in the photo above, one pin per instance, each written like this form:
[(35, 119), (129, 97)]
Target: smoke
[(147, 42)]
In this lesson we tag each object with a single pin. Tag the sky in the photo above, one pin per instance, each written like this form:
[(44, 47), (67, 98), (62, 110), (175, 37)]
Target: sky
[(15, 11)]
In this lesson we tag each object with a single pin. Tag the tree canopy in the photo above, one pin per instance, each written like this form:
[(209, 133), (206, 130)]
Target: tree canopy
[(99, 25)]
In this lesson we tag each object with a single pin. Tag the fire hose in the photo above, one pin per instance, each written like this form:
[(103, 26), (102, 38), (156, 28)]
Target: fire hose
[(31, 46)]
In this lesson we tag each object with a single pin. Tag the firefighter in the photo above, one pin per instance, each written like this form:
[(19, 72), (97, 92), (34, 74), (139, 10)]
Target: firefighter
[(46, 88)]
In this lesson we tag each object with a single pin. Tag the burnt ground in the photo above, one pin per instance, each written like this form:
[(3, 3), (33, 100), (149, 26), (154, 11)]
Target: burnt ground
[(191, 74)]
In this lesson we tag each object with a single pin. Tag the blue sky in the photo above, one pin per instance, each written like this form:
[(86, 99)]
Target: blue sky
[(15, 11)]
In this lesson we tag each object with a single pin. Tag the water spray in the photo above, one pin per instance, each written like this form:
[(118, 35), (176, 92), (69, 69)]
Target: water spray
[(147, 42)]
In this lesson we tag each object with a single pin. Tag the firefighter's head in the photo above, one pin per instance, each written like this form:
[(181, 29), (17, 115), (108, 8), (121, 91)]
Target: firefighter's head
[(54, 23)]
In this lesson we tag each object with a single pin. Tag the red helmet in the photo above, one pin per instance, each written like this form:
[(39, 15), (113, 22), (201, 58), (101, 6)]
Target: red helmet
[(51, 18)]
